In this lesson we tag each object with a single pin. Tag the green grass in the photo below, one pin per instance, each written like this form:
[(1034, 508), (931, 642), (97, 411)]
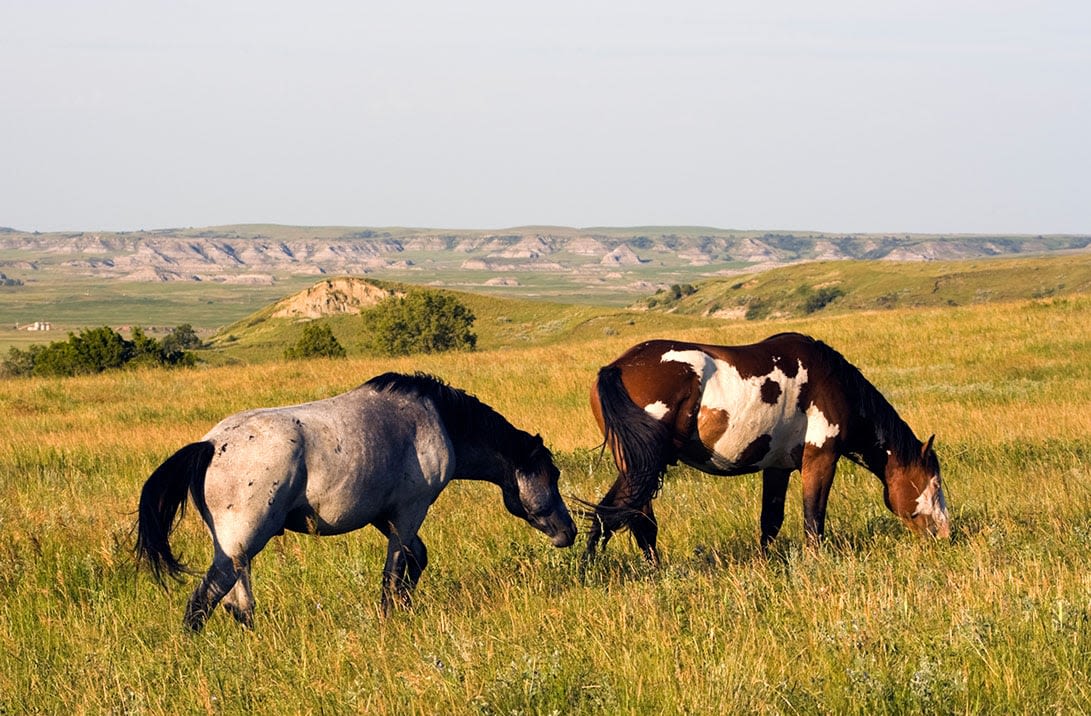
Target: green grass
[(997, 621)]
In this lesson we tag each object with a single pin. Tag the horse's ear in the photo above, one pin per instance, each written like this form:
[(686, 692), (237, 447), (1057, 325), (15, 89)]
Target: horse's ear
[(928, 446)]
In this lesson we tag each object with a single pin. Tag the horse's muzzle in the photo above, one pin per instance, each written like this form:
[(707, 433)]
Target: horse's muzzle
[(564, 538), (559, 526)]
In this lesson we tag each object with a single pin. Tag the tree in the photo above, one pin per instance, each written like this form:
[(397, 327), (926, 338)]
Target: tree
[(180, 338), (20, 362), (317, 341), (420, 322), (93, 350), (169, 352)]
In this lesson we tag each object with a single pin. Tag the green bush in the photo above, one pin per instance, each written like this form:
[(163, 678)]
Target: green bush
[(420, 322), (819, 299), (181, 337), (317, 341), (92, 350)]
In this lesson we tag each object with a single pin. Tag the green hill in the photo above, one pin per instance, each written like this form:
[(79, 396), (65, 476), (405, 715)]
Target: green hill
[(500, 322), (841, 286), (831, 287)]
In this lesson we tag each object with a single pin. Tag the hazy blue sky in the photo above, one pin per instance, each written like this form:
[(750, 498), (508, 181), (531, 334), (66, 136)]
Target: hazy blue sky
[(911, 115)]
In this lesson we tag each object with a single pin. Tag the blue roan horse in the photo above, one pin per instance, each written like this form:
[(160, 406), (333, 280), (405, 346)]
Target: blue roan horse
[(377, 455), (787, 403)]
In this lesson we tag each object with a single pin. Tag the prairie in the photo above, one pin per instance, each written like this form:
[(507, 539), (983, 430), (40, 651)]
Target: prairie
[(877, 621)]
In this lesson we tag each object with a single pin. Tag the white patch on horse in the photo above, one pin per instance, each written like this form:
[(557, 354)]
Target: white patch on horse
[(700, 362), (819, 429), (751, 417), (931, 502), (657, 410)]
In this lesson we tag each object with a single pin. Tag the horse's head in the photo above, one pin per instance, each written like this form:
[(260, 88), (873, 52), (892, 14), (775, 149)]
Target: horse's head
[(531, 494), (915, 493)]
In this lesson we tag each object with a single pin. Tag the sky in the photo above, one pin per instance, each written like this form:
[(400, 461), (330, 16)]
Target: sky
[(932, 116)]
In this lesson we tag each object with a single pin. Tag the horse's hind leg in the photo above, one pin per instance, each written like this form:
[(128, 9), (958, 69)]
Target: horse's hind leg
[(645, 529), (604, 521), (239, 602), (218, 581), (774, 488)]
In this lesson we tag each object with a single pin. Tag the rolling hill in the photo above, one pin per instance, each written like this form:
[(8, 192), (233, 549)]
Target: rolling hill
[(793, 291)]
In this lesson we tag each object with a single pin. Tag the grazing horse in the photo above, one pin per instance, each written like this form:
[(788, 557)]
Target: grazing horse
[(377, 455), (787, 403)]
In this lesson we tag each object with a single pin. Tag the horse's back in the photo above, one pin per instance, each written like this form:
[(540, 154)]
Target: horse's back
[(740, 408), (332, 465)]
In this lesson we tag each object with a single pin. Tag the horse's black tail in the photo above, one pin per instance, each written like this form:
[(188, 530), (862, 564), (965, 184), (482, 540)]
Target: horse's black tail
[(641, 445), (162, 504)]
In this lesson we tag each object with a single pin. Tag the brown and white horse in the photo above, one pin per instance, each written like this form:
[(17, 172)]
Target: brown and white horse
[(787, 403)]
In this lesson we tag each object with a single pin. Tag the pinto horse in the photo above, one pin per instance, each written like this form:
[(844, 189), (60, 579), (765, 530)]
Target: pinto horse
[(377, 455), (787, 403)]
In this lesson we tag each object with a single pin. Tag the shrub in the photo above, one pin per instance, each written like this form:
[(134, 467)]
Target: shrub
[(821, 298), (757, 309), (92, 350), (181, 337), (420, 322), (317, 341)]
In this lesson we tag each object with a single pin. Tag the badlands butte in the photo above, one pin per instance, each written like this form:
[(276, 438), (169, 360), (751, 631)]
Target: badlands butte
[(547, 260)]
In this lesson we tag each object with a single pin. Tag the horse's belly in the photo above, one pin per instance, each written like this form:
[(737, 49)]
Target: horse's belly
[(321, 521), (745, 448)]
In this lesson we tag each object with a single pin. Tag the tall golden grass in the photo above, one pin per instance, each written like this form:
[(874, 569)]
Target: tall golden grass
[(999, 620)]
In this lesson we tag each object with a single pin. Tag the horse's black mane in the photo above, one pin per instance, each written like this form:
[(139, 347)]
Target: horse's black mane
[(464, 415), (891, 432)]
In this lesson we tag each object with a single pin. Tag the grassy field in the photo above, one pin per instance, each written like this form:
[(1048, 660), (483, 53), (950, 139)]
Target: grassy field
[(997, 621)]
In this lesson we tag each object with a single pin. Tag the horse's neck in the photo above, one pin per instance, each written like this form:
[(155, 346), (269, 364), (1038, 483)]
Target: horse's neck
[(879, 454), (474, 461)]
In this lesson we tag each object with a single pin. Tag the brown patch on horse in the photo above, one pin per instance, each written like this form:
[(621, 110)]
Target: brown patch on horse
[(797, 455), (770, 391), (711, 424), (749, 365), (789, 366)]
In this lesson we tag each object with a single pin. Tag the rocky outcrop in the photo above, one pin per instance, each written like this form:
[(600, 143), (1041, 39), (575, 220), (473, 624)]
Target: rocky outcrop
[(339, 295)]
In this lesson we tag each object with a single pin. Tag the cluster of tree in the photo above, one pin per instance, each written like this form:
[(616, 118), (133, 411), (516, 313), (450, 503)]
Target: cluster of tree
[(419, 322), (665, 297), (317, 341), (805, 299), (94, 350)]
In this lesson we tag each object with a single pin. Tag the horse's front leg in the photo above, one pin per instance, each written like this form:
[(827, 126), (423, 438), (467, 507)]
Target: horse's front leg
[(774, 488), (818, 470), (645, 529), (395, 589), (417, 560)]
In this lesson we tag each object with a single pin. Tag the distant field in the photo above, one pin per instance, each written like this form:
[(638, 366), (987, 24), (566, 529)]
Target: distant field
[(72, 304), (997, 621), (542, 307)]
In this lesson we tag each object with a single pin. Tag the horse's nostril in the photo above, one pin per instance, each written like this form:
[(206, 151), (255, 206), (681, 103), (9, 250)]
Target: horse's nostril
[(564, 539)]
